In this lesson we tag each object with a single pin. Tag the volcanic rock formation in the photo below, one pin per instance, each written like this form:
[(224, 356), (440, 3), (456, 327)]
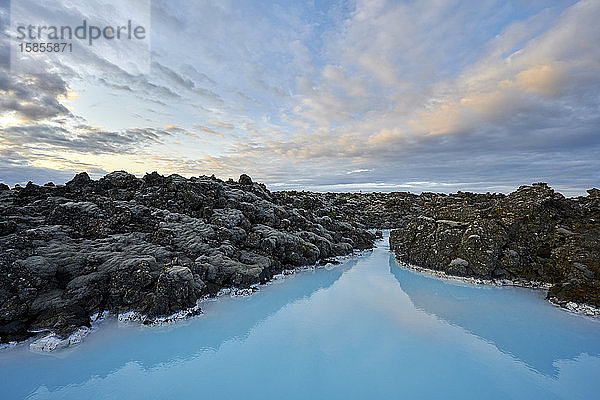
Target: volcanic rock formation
[(153, 245)]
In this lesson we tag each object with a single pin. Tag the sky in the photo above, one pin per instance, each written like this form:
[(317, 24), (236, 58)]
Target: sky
[(371, 95)]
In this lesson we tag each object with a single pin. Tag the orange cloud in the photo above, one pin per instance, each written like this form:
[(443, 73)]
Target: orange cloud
[(209, 131), (383, 136), (445, 119), (221, 124), (544, 80)]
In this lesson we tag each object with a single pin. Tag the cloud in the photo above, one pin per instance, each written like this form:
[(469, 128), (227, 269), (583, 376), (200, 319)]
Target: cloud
[(358, 171), (544, 80), (516, 112), (174, 79), (497, 88), (221, 124), (383, 94), (209, 131), (31, 98)]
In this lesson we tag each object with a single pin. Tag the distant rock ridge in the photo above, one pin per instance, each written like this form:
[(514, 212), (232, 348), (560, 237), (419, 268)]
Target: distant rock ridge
[(152, 245), (533, 235)]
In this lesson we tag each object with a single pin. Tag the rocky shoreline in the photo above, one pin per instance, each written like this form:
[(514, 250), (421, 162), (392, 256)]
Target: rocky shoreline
[(533, 235), (149, 249), (48, 341), (582, 309), (478, 281), (153, 246)]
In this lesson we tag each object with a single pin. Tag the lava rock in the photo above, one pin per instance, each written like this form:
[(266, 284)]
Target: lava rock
[(531, 235), (245, 180), (153, 245)]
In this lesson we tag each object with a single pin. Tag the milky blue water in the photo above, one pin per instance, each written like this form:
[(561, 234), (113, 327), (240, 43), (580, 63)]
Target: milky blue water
[(364, 329)]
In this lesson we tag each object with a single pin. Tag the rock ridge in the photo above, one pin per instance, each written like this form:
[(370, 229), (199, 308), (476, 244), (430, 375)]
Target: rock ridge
[(153, 245), (157, 244)]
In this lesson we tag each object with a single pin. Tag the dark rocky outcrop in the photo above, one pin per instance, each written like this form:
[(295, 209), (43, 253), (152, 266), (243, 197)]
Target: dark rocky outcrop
[(531, 235), (153, 245), (156, 245), (375, 210)]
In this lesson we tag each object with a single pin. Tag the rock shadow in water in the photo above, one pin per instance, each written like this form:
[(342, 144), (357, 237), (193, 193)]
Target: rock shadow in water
[(510, 318), (182, 341)]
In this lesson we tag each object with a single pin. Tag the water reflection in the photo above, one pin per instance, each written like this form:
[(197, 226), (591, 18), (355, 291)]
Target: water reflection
[(153, 347), (366, 328), (536, 335)]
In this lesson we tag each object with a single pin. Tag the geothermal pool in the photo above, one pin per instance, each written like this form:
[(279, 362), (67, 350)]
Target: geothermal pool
[(366, 328)]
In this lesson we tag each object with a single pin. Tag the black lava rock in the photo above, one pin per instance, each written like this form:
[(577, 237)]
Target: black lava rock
[(531, 235), (245, 180), (153, 245)]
